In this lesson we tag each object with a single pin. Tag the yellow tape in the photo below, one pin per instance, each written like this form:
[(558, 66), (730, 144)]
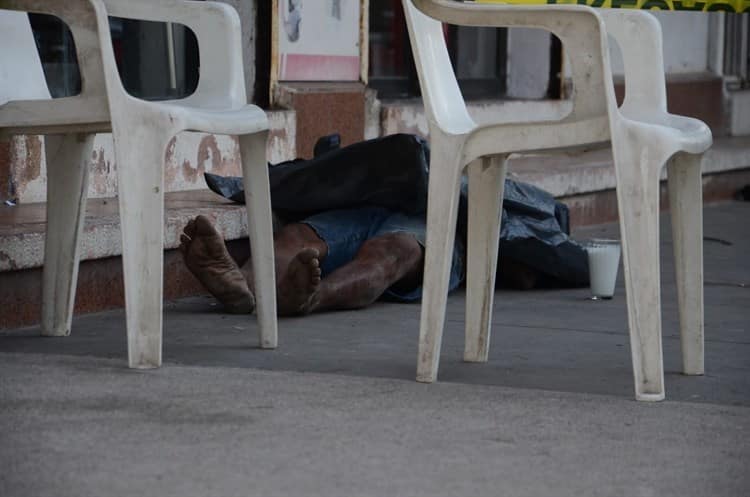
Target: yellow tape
[(697, 5)]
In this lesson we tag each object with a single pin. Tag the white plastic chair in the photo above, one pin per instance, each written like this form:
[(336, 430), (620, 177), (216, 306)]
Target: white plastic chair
[(141, 132), (644, 137)]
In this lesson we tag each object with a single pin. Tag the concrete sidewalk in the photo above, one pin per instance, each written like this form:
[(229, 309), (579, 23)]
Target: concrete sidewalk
[(335, 411)]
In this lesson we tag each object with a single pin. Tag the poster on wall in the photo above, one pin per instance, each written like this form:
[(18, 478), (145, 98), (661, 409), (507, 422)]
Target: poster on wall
[(318, 40)]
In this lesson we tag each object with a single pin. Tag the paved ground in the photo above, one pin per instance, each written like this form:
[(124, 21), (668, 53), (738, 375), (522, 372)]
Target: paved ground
[(334, 411)]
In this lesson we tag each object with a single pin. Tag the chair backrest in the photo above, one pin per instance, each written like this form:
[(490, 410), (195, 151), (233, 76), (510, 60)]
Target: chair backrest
[(441, 95), (578, 27), (21, 74), (217, 30)]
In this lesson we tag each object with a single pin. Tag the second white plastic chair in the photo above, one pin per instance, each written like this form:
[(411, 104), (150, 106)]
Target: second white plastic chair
[(644, 137)]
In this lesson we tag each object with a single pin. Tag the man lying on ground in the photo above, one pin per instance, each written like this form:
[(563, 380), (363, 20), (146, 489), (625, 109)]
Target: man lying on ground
[(366, 236), (339, 259)]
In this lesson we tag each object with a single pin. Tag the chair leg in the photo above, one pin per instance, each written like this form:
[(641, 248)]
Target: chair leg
[(442, 209), (686, 207), (260, 227), (68, 159), (486, 184), (638, 203), (140, 173)]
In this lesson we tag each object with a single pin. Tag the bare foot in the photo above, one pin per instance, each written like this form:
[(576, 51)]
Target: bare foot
[(207, 258), (298, 290)]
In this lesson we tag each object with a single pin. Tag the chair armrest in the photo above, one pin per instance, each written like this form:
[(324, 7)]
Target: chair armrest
[(218, 30), (639, 37), (580, 29)]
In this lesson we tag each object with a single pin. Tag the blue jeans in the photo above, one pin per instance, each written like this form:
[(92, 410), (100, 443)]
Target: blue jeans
[(344, 231)]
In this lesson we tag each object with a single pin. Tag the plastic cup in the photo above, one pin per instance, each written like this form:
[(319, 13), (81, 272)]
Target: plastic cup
[(604, 260)]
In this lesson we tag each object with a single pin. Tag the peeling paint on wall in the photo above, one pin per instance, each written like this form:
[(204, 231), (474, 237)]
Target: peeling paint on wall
[(23, 175), (103, 175), (28, 168), (33, 160), (404, 119), (6, 187), (282, 139)]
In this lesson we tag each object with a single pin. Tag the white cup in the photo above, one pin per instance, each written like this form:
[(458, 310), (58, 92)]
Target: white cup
[(604, 260)]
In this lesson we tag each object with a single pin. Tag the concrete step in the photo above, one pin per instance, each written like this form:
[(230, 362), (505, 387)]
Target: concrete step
[(22, 227), (584, 180), (100, 283)]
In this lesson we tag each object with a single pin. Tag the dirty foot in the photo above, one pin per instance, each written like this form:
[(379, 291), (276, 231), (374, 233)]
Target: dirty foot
[(207, 258), (297, 292)]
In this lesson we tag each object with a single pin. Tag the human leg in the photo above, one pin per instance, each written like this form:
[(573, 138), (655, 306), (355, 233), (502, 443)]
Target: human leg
[(361, 253), (358, 260), (206, 256), (288, 242), (388, 264), (381, 262), (298, 251), (318, 246)]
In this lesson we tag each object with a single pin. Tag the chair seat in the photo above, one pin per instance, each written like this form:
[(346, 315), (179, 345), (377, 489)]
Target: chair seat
[(223, 120)]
